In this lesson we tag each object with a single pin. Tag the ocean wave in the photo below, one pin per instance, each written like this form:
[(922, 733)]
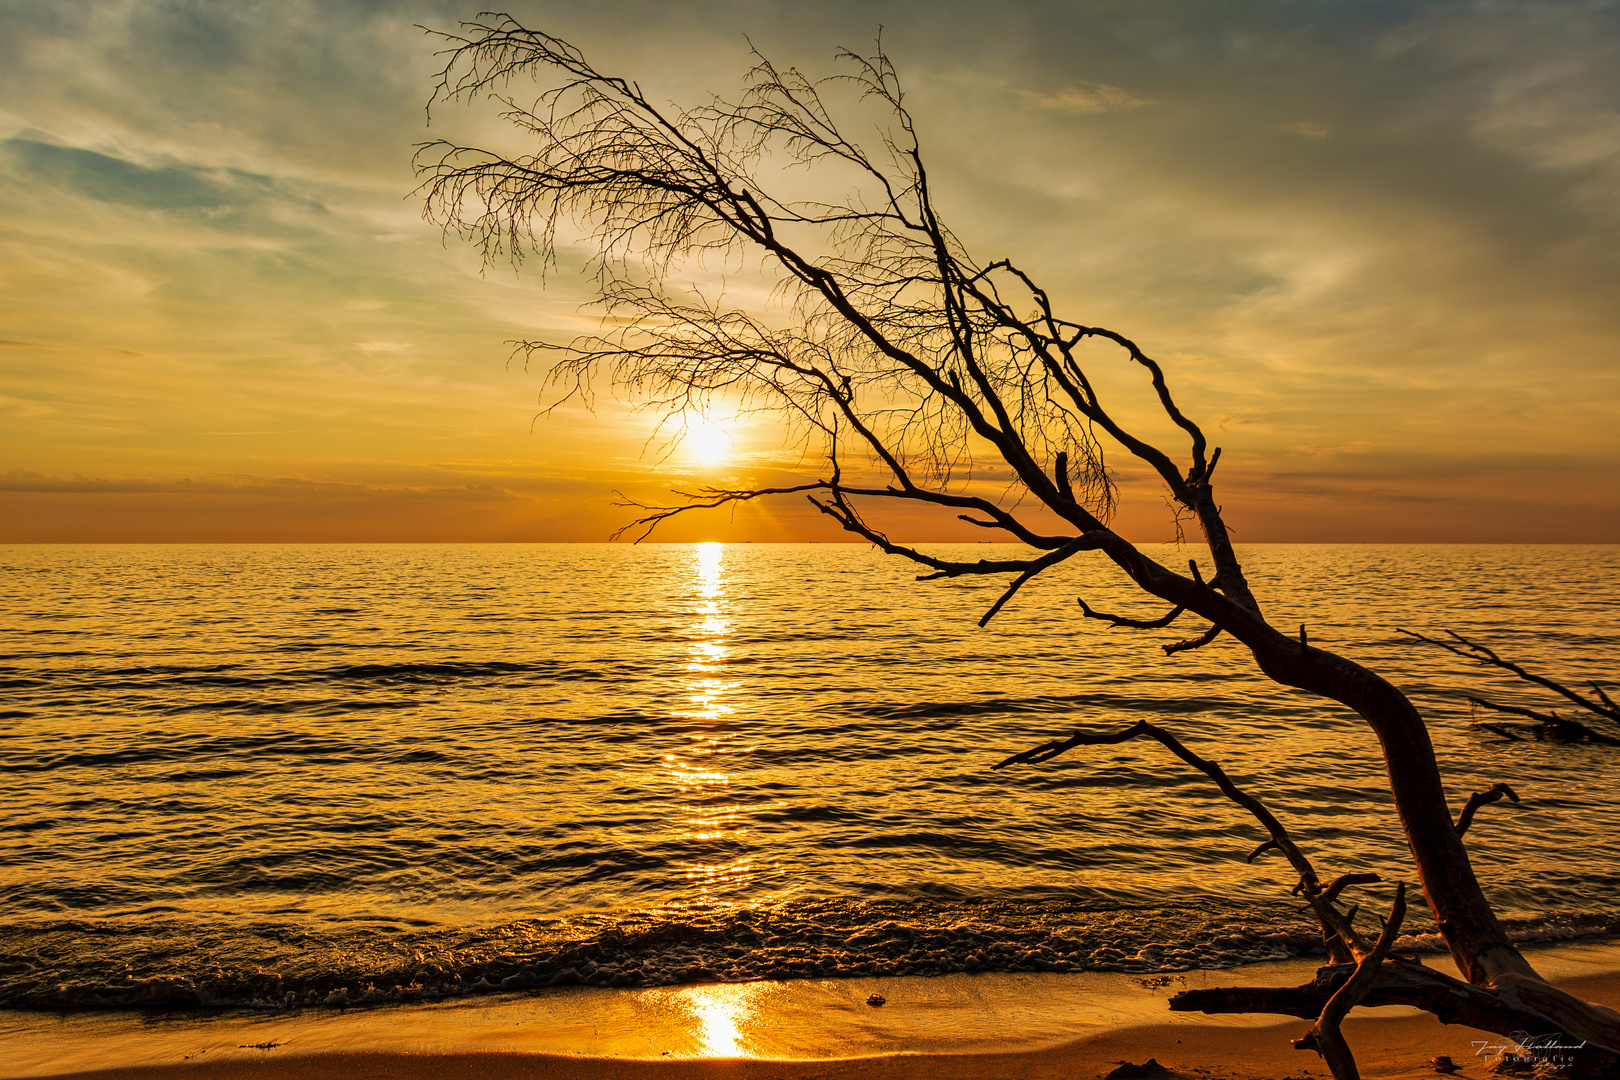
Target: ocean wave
[(258, 775), (178, 963)]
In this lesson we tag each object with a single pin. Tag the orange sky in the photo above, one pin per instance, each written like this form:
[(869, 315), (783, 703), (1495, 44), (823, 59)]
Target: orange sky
[(1373, 244)]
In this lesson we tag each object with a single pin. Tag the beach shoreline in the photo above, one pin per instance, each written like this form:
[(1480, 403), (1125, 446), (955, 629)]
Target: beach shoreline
[(1385, 1048), (968, 1027)]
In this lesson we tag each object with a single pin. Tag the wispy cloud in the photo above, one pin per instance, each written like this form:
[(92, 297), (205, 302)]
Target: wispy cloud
[(1308, 129), (1381, 237), (1360, 446), (110, 179), (1082, 98)]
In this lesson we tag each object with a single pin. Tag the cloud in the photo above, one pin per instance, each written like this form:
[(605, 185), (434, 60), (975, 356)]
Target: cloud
[(1085, 98), (1373, 225), (273, 487), (1536, 80), (1307, 129), (1360, 446), (110, 179)]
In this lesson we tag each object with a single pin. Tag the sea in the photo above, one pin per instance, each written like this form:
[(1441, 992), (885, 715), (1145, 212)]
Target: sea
[(278, 777)]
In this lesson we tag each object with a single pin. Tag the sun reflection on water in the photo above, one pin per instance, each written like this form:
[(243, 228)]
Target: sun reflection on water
[(718, 1010), (709, 814), (708, 568)]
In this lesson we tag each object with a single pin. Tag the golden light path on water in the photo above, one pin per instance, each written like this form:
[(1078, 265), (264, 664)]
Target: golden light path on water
[(709, 814)]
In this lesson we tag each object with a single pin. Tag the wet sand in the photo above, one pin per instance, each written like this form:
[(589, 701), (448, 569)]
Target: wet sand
[(1400, 1047), (1017, 1027)]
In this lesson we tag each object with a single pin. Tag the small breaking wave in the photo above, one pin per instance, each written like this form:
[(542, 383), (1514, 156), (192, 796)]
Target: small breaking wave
[(177, 964)]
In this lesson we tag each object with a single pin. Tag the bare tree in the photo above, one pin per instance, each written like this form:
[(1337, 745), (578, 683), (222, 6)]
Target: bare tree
[(897, 350), (1549, 726)]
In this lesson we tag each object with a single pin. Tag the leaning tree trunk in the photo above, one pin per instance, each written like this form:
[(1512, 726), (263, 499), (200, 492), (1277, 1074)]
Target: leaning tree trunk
[(1517, 999), (1461, 912), (1463, 915)]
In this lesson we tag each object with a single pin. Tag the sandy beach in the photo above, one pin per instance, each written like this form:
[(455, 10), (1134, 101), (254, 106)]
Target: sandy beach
[(1399, 1047), (971, 1028)]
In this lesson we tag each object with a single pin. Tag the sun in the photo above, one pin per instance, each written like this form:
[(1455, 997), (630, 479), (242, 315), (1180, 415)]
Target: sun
[(707, 443)]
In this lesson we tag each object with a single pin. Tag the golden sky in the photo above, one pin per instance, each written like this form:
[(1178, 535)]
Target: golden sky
[(1375, 244)]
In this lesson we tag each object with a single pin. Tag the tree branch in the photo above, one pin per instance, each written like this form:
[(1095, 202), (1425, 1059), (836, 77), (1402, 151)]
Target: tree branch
[(1135, 624), (1338, 935), (1408, 983), (1479, 799), (1324, 1036), (1482, 654), (1193, 643), (1078, 544), (1279, 835), (705, 499), (1548, 727)]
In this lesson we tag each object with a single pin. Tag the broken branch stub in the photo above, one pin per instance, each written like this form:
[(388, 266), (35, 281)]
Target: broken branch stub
[(1479, 799)]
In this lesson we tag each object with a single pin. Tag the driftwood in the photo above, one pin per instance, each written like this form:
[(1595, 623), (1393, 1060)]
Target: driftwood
[(1549, 726), (1339, 936), (1401, 981), (1324, 1036), (1571, 1036), (897, 343)]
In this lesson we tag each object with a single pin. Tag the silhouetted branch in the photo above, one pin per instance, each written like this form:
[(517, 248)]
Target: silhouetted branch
[(705, 499), (1192, 643), (1399, 982), (1325, 1036), (1060, 474), (1080, 543), (1135, 624), (1479, 799), (1550, 725), (1484, 655), (1514, 710), (1608, 702), (1333, 888), (1338, 934), (1279, 835)]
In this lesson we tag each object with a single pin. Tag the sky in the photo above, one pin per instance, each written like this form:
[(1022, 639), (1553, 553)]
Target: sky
[(1375, 245)]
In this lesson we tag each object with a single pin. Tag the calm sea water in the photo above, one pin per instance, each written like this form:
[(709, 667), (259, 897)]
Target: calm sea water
[(296, 774)]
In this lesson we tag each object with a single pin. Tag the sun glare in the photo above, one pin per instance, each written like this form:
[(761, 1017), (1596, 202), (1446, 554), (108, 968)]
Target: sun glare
[(707, 443)]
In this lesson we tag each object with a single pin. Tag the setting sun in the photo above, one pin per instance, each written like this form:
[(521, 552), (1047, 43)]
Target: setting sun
[(707, 443), (580, 540)]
